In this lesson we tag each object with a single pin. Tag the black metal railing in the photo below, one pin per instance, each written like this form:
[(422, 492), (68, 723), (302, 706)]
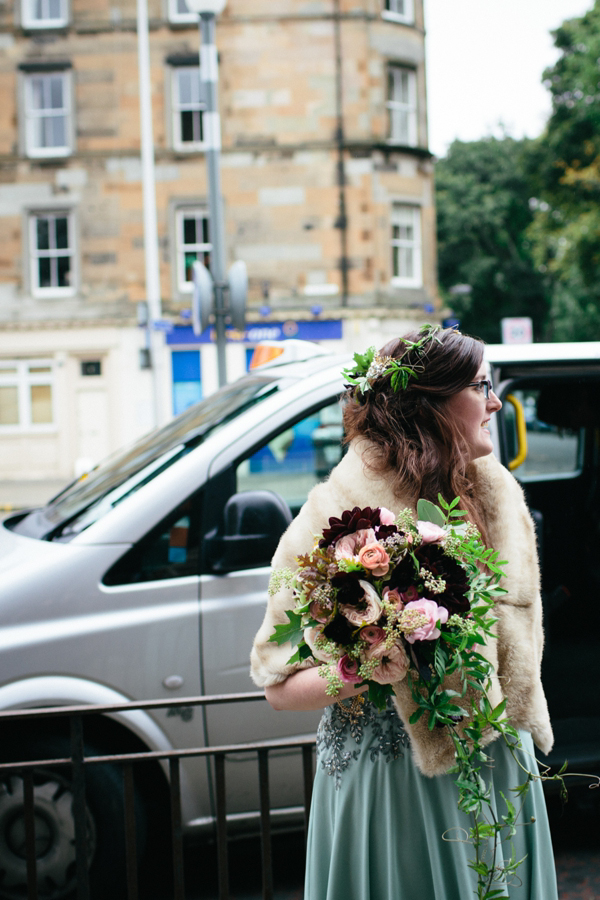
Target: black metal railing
[(78, 762)]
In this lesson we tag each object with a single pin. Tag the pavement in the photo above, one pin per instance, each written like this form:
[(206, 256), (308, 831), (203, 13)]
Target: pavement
[(28, 493)]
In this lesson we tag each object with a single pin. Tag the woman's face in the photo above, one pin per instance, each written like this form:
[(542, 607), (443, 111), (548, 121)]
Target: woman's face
[(472, 412)]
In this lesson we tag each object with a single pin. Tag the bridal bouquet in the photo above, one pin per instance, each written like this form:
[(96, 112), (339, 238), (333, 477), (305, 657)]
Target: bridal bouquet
[(381, 598)]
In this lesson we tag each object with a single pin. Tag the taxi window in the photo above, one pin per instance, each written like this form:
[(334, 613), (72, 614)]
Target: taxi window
[(295, 459), (551, 449)]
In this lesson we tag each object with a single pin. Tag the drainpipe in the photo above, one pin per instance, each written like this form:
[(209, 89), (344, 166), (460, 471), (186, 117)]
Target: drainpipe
[(342, 219)]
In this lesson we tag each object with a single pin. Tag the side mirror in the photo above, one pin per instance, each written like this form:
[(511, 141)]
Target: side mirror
[(248, 533)]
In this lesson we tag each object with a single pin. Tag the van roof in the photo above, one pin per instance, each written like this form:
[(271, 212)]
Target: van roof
[(559, 352)]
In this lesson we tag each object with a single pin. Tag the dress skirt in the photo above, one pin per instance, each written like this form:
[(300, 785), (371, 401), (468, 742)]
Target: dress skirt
[(380, 830)]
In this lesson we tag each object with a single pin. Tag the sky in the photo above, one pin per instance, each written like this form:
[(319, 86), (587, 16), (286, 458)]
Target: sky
[(485, 60)]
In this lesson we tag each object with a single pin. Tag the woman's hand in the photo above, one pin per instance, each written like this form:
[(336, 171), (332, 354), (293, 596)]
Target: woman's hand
[(305, 689)]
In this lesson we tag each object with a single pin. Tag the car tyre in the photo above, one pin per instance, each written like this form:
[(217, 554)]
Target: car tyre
[(55, 826)]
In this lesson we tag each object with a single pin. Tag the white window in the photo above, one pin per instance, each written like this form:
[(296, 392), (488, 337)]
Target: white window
[(26, 395), (399, 10), (44, 13), (192, 243), (402, 105), (51, 254), (188, 108), (179, 12), (48, 114), (406, 246)]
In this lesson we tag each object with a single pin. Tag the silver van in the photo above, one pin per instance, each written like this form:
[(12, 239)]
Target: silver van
[(147, 579)]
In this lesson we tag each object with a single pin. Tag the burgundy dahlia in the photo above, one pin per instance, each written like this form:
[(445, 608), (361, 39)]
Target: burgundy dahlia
[(454, 598), (352, 520)]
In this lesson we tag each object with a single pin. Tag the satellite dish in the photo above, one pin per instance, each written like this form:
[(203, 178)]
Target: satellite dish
[(237, 279), (202, 297)]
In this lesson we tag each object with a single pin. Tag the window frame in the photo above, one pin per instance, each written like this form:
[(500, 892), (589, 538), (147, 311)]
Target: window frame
[(31, 116), (182, 212), (23, 380), (416, 280), (410, 107), (406, 18), (177, 108), (35, 254), (29, 22)]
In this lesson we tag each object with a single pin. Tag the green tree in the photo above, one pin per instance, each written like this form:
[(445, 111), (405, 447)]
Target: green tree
[(483, 212), (563, 166)]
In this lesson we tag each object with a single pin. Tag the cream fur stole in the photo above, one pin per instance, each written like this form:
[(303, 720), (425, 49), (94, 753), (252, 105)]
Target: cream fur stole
[(517, 652)]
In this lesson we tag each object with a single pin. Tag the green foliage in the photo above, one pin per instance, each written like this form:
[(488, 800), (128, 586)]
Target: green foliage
[(293, 631), (564, 169), (482, 198)]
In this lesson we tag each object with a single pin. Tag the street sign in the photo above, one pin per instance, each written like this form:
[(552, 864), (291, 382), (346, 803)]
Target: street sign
[(518, 330), (202, 296), (237, 278)]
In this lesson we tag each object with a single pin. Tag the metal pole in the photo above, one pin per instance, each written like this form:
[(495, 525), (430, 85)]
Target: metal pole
[(149, 198), (209, 74)]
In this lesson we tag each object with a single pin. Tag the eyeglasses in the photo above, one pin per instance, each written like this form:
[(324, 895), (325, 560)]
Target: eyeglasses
[(485, 386)]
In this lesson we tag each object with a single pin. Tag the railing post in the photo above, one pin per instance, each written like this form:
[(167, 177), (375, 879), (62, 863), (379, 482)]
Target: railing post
[(223, 865), (265, 824), (307, 777), (30, 848), (176, 830), (130, 836), (79, 810)]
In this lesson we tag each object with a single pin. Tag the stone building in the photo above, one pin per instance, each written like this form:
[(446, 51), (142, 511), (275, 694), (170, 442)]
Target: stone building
[(327, 188)]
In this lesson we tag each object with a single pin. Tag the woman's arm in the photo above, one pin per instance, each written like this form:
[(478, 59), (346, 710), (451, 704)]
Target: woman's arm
[(305, 689)]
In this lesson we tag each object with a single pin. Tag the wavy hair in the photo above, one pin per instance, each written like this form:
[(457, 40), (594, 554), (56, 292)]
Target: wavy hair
[(415, 441)]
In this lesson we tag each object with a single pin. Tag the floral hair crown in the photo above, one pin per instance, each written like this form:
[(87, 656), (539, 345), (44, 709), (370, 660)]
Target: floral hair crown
[(370, 366)]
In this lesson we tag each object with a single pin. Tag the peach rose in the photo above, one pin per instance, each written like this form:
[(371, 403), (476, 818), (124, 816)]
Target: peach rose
[(393, 663), (434, 613), (374, 557), (430, 533), (372, 611)]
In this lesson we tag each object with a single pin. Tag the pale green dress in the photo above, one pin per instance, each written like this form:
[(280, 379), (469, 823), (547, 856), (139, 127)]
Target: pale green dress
[(377, 824)]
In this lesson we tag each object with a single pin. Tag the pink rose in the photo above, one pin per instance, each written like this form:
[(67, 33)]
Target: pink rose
[(410, 594), (310, 636), (350, 544), (430, 533), (434, 614), (393, 663), (319, 612), (394, 596), (386, 517), (369, 609), (375, 558), (372, 634), (347, 670)]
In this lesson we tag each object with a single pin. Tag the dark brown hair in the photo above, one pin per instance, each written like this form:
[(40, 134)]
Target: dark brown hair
[(415, 442)]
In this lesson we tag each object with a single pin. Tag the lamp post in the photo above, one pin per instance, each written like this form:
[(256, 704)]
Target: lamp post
[(151, 259), (208, 10)]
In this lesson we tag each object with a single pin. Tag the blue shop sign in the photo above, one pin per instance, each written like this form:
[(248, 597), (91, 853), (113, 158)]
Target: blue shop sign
[(326, 330)]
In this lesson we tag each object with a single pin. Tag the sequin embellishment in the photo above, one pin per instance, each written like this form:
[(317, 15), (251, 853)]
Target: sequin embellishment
[(340, 726)]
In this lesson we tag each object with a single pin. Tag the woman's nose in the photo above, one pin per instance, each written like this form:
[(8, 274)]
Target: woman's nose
[(494, 404)]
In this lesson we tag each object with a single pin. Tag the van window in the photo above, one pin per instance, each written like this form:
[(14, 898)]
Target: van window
[(551, 449), (295, 459), (171, 550)]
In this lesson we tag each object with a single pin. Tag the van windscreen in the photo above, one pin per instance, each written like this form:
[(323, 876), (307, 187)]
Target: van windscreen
[(84, 501)]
